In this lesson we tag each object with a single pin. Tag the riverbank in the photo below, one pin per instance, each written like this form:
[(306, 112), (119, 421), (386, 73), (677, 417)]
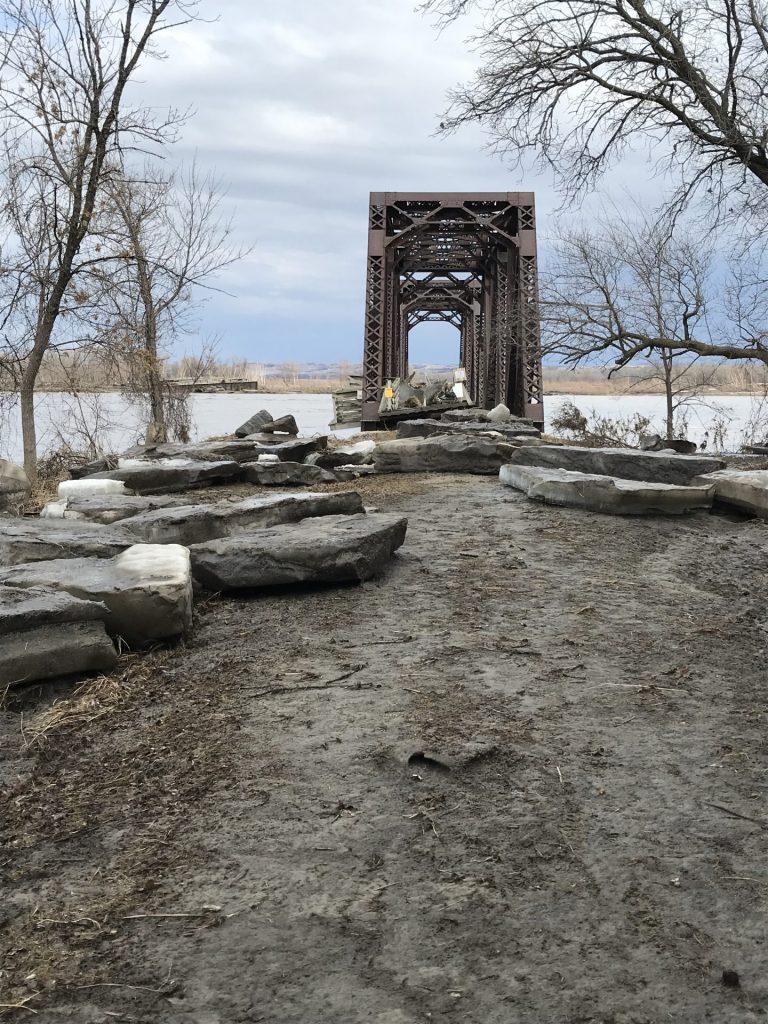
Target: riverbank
[(516, 777)]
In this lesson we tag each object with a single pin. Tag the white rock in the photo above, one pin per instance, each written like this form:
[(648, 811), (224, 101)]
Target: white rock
[(54, 509), (147, 588), (743, 489), (14, 484), (499, 414), (88, 485), (267, 460)]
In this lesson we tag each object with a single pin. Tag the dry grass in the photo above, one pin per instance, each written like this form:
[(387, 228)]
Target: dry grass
[(95, 698)]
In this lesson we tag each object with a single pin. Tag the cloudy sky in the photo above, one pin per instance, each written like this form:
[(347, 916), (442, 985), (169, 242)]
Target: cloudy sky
[(303, 108)]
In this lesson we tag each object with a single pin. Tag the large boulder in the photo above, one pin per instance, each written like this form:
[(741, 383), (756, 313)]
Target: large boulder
[(613, 495), (430, 428), (195, 524), (35, 540), (14, 485), (165, 476), (106, 509), (45, 634), (445, 453), (627, 463), (147, 588), (295, 450), (334, 549), (253, 425), (746, 490)]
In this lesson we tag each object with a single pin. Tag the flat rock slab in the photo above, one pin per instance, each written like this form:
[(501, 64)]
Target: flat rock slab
[(286, 474), (430, 428), (445, 453), (612, 495), (30, 607), (627, 463), (165, 476), (746, 490), (201, 451), (147, 588), (196, 524), (51, 651), (295, 450), (106, 509), (35, 540), (334, 549)]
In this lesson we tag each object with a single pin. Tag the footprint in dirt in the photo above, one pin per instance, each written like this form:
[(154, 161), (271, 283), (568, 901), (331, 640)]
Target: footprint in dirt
[(422, 763)]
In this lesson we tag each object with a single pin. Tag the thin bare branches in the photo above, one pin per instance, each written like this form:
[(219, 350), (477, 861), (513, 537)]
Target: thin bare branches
[(575, 83)]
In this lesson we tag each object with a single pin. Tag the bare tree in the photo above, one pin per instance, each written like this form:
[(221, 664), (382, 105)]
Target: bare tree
[(575, 83), (66, 123), (172, 241), (628, 290)]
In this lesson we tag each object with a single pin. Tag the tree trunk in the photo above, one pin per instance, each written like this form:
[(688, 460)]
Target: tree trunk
[(29, 429), (670, 395), (27, 392)]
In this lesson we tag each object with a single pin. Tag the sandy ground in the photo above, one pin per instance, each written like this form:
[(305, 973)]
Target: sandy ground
[(519, 778)]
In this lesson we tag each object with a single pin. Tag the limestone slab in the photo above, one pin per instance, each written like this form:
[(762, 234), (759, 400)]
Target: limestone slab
[(431, 428), (107, 509), (254, 424), (30, 607), (14, 485), (294, 450), (90, 486), (444, 453), (195, 524), (746, 490), (52, 651), (166, 476), (612, 495), (146, 588), (285, 474), (627, 463), (34, 540), (334, 549)]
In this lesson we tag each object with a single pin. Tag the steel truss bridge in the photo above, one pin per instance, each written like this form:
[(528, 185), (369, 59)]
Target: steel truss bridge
[(468, 259)]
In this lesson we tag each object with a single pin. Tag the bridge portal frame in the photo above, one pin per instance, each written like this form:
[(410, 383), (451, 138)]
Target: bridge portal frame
[(466, 258)]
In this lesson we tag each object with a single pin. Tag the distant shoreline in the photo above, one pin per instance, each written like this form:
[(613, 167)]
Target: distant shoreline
[(318, 386)]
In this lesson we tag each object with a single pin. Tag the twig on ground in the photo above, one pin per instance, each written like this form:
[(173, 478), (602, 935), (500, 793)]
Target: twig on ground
[(327, 685), (22, 1005), (205, 912), (736, 814)]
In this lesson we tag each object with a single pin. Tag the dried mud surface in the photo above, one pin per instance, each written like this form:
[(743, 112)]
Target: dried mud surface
[(519, 778)]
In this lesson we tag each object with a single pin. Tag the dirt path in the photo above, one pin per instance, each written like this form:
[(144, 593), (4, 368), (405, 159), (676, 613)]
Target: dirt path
[(232, 832)]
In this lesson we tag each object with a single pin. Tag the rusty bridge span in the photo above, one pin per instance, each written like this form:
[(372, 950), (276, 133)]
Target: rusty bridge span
[(469, 259)]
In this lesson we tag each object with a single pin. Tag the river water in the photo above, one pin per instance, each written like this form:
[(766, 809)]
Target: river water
[(120, 425)]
